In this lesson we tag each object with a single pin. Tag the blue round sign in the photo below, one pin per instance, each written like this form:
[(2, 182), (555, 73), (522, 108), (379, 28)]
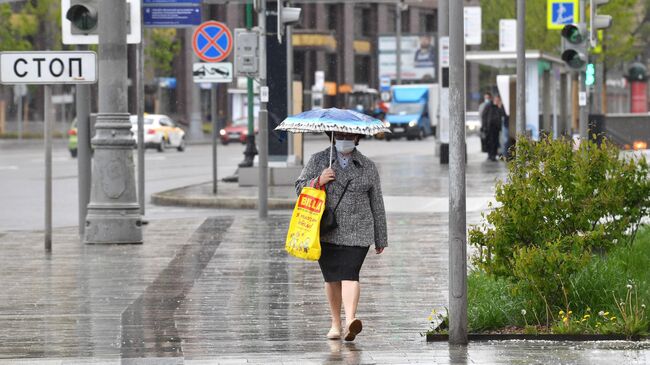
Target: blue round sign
[(212, 41)]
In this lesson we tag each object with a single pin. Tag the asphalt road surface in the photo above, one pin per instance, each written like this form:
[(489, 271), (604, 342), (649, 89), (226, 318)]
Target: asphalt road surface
[(22, 174)]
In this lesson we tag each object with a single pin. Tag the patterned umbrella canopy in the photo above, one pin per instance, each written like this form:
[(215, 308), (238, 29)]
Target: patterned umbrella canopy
[(332, 120)]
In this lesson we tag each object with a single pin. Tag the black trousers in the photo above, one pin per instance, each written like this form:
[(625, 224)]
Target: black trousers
[(492, 142)]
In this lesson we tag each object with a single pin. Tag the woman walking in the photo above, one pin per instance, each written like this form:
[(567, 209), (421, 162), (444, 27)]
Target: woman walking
[(354, 194)]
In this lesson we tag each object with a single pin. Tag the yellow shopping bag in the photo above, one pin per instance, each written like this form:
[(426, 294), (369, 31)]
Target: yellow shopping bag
[(303, 238)]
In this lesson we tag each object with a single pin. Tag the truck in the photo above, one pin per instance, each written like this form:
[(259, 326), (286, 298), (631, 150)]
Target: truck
[(412, 111)]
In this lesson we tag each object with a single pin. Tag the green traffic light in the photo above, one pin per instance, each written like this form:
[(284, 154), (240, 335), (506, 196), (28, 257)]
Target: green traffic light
[(572, 34), (590, 74)]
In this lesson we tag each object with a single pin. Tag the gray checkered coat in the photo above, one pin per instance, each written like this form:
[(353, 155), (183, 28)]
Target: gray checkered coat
[(361, 216)]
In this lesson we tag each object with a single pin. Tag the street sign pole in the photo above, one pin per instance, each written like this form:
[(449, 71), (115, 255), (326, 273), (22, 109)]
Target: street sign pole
[(213, 112), (398, 43), (442, 129), (263, 119), (521, 69), (457, 201), (48, 167), (83, 150), (20, 116), (139, 92)]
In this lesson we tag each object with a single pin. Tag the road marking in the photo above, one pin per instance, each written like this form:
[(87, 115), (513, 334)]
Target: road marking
[(8, 167)]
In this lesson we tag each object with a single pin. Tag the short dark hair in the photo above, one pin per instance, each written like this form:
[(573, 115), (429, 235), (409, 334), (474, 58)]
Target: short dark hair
[(488, 93)]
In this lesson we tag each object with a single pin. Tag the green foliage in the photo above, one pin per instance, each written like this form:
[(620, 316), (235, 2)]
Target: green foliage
[(15, 29), (490, 303), (555, 208), (537, 36), (620, 42), (21, 29), (161, 50), (603, 284), (621, 39)]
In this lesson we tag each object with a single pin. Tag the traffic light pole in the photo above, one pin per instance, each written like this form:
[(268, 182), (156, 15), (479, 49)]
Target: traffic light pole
[(582, 90), (250, 151), (521, 69), (263, 139), (113, 211)]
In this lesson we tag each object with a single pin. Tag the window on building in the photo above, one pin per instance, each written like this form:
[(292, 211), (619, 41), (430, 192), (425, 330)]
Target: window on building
[(392, 15), (406, 24), (362, 69), (428, 22), (366, 22), (332, 16), (362, 22), (331, 72)]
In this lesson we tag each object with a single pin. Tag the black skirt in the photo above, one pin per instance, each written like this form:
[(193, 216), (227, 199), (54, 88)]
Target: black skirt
[(339, 263)]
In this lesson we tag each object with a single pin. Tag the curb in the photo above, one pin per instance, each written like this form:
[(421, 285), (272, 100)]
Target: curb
[(540, 337), (169, 198)]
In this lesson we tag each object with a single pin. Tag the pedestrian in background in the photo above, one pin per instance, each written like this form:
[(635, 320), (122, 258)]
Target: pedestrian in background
[(487, 99), (492, 120), (353, 187), (504, 141)]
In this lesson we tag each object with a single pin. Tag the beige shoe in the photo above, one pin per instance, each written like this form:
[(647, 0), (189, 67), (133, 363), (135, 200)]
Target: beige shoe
[(334, 334), (353, 329)]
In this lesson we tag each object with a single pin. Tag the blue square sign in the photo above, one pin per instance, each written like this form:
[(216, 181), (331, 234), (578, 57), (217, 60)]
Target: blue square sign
[(561, 13)]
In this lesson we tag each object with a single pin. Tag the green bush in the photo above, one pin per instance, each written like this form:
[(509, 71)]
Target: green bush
[(592, 304), (557, 207)]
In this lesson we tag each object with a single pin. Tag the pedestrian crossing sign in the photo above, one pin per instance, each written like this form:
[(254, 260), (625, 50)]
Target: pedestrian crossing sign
[(561, 13)]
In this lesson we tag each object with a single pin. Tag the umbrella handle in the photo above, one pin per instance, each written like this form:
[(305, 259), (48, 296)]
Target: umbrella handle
[(331, 149)]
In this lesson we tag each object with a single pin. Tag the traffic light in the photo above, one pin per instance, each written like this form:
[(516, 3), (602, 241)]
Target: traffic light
[(597, 21), (286, 16), (82, 15), (80, 21), (590, 74), (574, 45)]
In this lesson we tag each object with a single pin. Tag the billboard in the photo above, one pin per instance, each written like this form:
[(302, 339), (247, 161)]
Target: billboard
[(418, 58)]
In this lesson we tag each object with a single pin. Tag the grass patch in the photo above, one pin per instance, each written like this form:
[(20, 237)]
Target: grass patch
[(609, 295)]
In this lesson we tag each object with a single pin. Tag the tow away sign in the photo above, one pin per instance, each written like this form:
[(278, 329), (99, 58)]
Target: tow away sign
[(74, 67), (214, 72)]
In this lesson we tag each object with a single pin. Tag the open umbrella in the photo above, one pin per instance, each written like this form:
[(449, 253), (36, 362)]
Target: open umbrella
[(332, 120)]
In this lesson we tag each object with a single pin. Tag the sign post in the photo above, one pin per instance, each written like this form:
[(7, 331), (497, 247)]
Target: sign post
[(212, 42), (46, 68)]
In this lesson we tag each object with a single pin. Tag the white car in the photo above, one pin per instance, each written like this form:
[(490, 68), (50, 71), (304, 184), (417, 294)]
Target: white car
[(160, 132)]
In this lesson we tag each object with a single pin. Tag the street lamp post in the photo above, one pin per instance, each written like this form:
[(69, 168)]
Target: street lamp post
[(113, 211), (457, 203)]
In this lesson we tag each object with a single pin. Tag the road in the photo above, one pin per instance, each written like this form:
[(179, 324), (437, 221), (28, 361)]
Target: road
[(22, 176)]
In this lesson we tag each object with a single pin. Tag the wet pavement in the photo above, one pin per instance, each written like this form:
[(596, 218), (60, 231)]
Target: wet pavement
[(220, 289)]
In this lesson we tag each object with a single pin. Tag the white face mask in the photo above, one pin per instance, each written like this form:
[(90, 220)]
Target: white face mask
[(344, 145)]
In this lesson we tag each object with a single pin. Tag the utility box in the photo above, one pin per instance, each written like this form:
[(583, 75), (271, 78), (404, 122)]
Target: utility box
[(246, 52)]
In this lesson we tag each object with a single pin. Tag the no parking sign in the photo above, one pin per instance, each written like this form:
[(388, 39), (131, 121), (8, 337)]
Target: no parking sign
[(212, 41)]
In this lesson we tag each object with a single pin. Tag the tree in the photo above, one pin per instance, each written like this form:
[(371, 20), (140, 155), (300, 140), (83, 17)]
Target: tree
[(161, 49), (16, 29), (620, 42)]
